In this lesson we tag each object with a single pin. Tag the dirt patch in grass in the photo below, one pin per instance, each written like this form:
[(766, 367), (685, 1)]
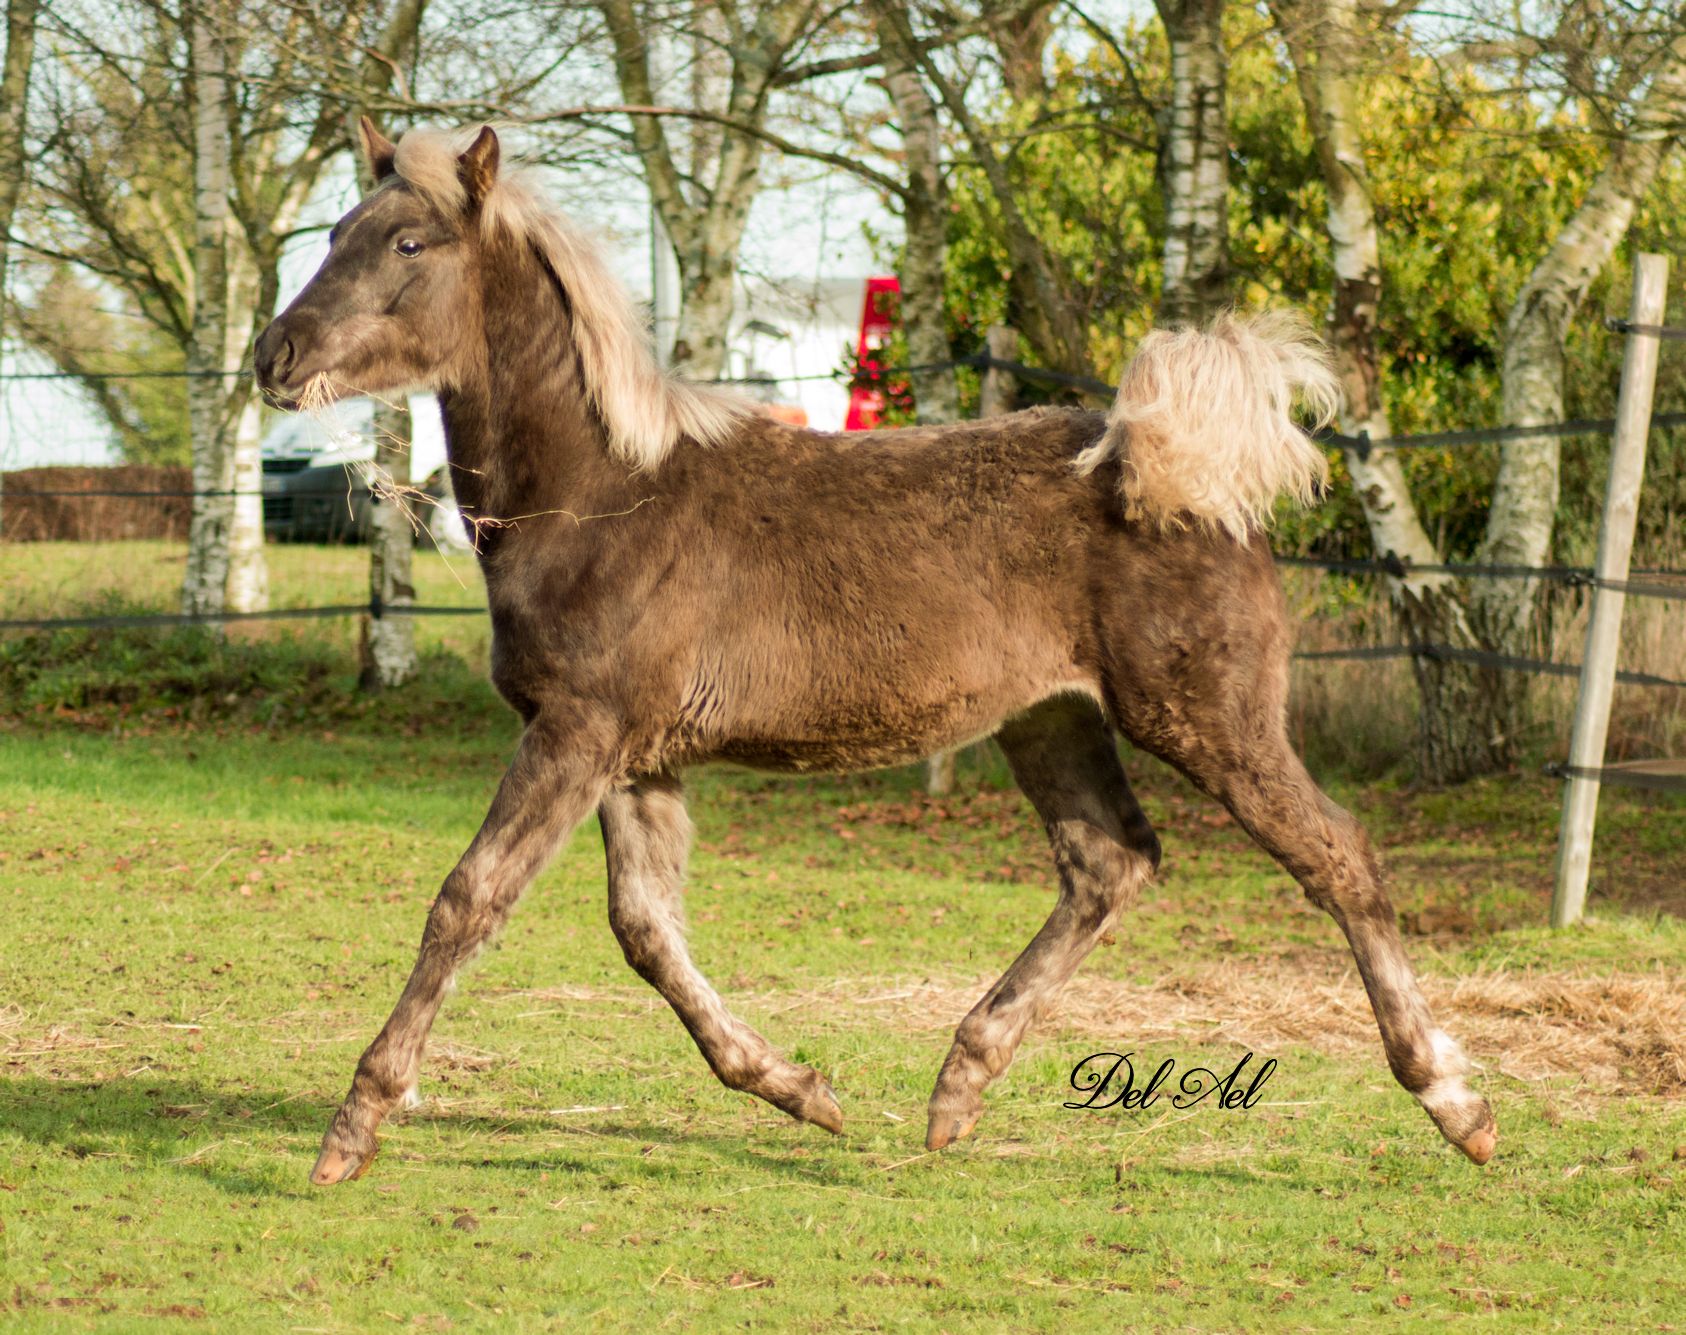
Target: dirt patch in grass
[(1621, 1033)]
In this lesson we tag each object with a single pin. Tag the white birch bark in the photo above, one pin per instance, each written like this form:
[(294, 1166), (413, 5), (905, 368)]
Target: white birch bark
[(936, 396), (248, 572), (1326, 45), (204, 585), (1195, 164), (1519, 524)]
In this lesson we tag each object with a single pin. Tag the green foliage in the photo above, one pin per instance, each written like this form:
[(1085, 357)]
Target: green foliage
[(1471, 188), (123, 363)]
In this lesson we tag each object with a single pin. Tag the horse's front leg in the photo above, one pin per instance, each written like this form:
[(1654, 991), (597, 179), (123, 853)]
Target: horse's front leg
[(559, 773)]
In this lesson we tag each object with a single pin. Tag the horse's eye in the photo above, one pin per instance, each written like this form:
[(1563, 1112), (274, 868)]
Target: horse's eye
[(408, 247)]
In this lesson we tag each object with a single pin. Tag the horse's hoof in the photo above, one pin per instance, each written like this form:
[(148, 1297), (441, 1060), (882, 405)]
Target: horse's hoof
[(1480, 1146), (335, 1166), (1465, 1119), (823, 1109), (946, 1126)]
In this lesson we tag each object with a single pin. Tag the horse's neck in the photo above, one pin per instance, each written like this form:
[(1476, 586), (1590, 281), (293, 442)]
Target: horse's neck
[(521, 435)]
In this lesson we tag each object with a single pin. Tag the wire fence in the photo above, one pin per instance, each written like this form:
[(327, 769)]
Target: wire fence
[(1388, 565)]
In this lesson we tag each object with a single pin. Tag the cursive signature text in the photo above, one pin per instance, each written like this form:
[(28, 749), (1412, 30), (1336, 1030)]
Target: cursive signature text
[(1108, 1080)]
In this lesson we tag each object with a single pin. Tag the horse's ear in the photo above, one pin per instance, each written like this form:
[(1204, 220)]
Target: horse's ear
[(378, 151), (477, 168)]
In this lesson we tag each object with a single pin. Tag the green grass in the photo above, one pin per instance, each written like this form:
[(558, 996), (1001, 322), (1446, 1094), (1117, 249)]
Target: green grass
[(207, 912)]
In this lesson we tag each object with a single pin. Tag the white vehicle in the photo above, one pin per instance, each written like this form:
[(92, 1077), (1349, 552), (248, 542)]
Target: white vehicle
[(315, 475)]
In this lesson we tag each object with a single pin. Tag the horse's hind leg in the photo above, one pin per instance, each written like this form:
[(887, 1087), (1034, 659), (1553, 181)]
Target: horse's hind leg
[(1065, 758), (646, 836), (1228, 734)]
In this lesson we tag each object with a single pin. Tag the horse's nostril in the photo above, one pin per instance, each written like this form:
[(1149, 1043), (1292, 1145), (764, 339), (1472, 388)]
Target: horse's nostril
[(274, 357)]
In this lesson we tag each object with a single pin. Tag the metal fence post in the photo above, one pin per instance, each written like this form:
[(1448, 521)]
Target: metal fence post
[(1604, 625)]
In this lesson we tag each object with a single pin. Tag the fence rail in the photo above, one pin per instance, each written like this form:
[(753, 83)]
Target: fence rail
[(1666, 776), (376, 610)]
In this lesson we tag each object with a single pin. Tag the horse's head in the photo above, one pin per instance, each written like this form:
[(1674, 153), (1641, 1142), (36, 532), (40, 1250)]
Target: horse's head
[(395, 303)]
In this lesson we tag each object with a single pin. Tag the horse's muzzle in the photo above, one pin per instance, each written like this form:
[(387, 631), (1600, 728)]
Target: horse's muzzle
[(275, 358)]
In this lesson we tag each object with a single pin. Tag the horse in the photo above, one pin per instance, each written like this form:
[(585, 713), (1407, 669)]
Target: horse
[(674, 577)]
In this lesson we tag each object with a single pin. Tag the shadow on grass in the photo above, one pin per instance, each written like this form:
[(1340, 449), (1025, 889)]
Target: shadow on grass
[(154, 1124), (736, 1151), (161, 1125)]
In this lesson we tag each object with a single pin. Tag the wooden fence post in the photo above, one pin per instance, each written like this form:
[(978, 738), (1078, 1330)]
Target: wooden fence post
[(997, 395), (1604, 625)]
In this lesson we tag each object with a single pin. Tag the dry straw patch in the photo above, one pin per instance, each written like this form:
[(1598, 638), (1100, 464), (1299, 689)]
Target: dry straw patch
[(1620, 1033)]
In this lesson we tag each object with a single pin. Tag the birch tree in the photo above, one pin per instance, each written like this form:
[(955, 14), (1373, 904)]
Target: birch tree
[(180, 147), (1525, 495), (209, 544), (1470, 717), (1328, 42), (1194, 163)]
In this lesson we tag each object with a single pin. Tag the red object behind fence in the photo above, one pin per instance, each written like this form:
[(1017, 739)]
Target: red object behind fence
[(878, 322)]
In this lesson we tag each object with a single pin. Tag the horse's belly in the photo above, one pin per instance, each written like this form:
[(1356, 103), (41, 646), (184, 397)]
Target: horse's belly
[(871, 732)]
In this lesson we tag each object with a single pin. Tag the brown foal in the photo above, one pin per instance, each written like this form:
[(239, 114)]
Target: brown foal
[(675, 578)]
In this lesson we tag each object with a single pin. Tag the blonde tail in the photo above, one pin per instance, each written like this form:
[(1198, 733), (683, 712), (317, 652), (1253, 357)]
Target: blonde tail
[(1202, 427)]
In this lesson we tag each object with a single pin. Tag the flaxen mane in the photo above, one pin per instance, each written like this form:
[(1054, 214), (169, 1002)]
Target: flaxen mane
[(645, 411)]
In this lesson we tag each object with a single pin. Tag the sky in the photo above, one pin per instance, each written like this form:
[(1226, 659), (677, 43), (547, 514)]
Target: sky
[(808, 228), (802, 234)]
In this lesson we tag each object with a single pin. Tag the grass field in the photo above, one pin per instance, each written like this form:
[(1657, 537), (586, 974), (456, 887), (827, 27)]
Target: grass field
[(209, 907)]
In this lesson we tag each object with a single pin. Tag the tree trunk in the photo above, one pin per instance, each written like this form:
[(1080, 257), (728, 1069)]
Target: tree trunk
[(1195, 164), (707, 277), (14, 118), (1022, 42), (1040, 303), (248, 573), (204, 586), (1455, 733), (1519, 524), (925, 222), (706, 223), (389, 647)]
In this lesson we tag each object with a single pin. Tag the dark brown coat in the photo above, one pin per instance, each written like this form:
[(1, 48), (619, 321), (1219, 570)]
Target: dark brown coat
[(674, 578)]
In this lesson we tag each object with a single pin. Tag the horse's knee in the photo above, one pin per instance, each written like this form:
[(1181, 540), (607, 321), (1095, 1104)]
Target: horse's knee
[(461, 914), (1101, 875), (1342, 875), (643, 942)]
